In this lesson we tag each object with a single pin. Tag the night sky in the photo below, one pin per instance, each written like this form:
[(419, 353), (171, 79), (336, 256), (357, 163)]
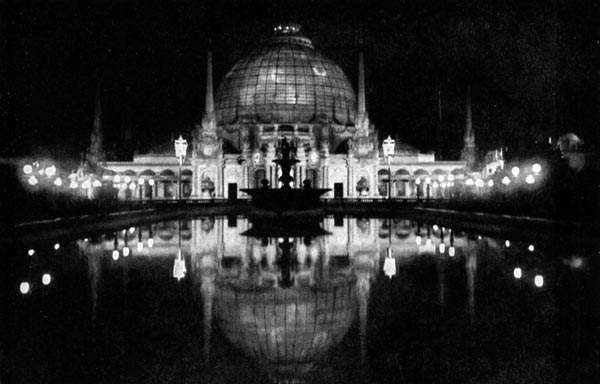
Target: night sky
[(532, 67)]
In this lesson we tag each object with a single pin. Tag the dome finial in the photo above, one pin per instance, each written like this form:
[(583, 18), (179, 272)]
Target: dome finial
[(286, 29)]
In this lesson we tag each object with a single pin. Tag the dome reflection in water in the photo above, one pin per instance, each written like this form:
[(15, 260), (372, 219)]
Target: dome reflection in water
[(283, 301)]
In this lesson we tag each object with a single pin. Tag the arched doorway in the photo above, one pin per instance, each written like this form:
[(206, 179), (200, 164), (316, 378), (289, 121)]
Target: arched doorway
[(401, 185)]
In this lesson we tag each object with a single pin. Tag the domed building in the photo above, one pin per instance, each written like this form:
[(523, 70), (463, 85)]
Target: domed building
[(284, 89)]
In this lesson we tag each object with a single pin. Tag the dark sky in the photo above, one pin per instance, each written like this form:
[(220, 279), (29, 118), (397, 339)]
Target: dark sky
[(532, 67)]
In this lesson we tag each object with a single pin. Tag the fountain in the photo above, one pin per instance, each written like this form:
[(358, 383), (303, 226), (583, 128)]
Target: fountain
[(286, 200)]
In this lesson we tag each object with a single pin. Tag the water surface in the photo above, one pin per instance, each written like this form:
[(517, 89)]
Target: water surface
[(332, 300)]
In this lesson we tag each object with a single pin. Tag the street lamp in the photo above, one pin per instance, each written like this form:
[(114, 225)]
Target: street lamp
[(180, 150), (388, 151), (515, 171)]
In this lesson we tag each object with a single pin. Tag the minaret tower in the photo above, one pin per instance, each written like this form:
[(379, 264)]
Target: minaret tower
[(469, 151)]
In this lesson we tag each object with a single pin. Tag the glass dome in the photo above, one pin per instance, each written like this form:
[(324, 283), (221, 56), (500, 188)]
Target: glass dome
[(285, 81)]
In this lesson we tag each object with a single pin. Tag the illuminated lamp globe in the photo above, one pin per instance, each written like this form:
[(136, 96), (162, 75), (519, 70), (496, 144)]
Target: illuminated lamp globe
[(24, 287), (58, 182), (490, 183), (536, 168), (50, 171), (505, 180), (32, 180), (46, 279), (96, 183), (469, 182), (539, 281), (27, 169), (517, 273), (479, 183), (115, 255), (530, 179), (451, 251), (126, 251), (515, 171)]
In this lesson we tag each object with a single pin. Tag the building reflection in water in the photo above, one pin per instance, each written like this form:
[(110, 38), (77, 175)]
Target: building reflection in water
[(286, 300)]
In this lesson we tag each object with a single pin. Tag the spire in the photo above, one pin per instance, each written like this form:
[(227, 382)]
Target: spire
[(362, 108), (95, 154), (210, 106), (209, 120), (362, 117), (469, 133), (469, 153)]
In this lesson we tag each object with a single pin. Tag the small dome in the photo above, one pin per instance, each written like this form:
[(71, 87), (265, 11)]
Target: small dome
[(285, 80)]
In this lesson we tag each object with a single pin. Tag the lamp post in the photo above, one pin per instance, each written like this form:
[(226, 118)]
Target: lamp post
[(428, 185), (388, 151), (180, 150)]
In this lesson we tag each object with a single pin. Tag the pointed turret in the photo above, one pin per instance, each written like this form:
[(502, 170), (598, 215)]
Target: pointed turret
[(469, 152)]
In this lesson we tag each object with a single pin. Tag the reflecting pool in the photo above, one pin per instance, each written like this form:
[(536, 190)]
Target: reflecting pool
[(326, 300)]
